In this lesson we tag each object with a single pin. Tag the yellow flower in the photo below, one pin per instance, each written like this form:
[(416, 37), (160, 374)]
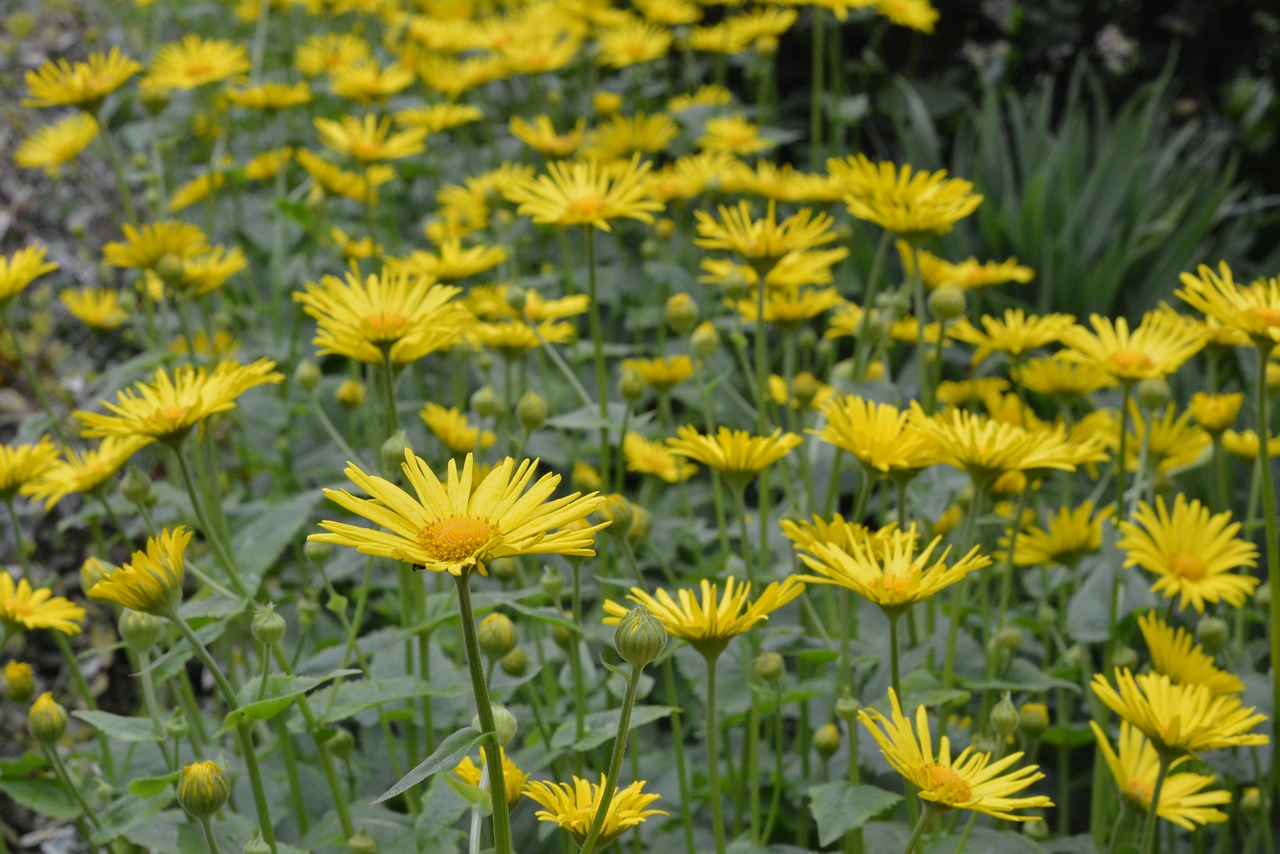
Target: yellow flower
[(541, 136), (22, 464), (838, 533), (782, 183), (623, 136), (171, 406), (733, 134), (790, 308), (1215, 412), (1156, 348), (515, 339), (151, 581), (710, 624), (540, 51), (84, 84), (735, 454), (795, 270), (914, 206), (394, 314), (662, 374), (268, 164), (1253, 309), (970, 781), (586, 194), (364, 82), (1244, 444), (690, 176), (270, 96), (1016, 335), (708, 95), (360, 187), (197, 189), (804, 392), (1176, 655), (438, 117), (1174, 442), (21, 607), (670, 13), (1179, 719), (887, 570), (763, 242), (53, 146), (1070, 534), (223, 343), (321, 54), (369, 140), (195, 61), (1193, 552), (970, 393), (655, 458), (1056, 377), (143, 250), (21, 269), (451, 428), (986, 448), (355, 249), (968, 275), (513, 778), (1183, 799), (631, 42), (80, 471), (460, 525), (916, 14), (877, 435), (574, 807), (452, 264)]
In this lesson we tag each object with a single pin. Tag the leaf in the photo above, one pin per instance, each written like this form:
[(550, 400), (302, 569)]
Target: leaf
[(46, 797), (124, 814), (1089, 608), (474, 795), (1022, 676), (838, 807), (448, 754), (281, 691), (258, 543), (119, 727), (149, 787), (357, 695), (603, 726)]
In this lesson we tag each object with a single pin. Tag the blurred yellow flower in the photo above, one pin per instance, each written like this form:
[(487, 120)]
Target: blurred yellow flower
[(82, 84), (1215, 412), (21, 269), (25, 608), (270, 96), (450, 426), (1175, 654), (144, 249), (369, 140), (1015, 334), (54, 146), (327, 52), (364, 82), (513, 778), (661, 374), (541, 136), (914, 205), (195, 61), (632, 42), (586, 194), (77, 472), (735, 454), (1157, 347), (21, 464), (655, 458)]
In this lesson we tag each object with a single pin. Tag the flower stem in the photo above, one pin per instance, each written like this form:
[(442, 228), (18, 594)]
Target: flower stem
[(713, 754), (615, 763), (597, 348), (677, 738), (33, 380), (484, 709), (209, 838), (61, 771), (153, 708), (575, 659), (1149, 829), (775, 800), (917, 832), (86, 694), (1272, 550), (894, 671), (391, 420)]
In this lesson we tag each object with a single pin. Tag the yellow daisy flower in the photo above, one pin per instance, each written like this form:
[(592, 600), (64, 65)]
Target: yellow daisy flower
[(21, 269), (78, 472), (913, 205), (167, 409), (195, 61), (327, 52), (201, 274), (437, 118), (574, 807), (1215, 412), (1193, 553), (763, 242), (1183, 799), (795, 270), (735, 454), (1253, 309), (632, 42), (877, 435), (661, 374), (733, 135), (838, 533), (96, 307), (513, 778), (369, 140), (1014, 335), (541, 136), (1174, 442), (22, 607), (915, 14), (515, 339), (709, 625), (1070, 534), (1061, 379), (1244, 444), (586, 194), (268, 164), (362, 188), (364, 82), (1179, 719), (655, 458), (83, 84), (151, 581), (790, 308), (144, 249), (782, 183), (970, 393), (54, 146), (22, 464), (707, 95), (805, 391), (1157, 347), (270, 96), (462, 524), (451, 428), (967, 275), (197, 189), (1175, 654), (623, 136), (970, 781), (669, 13), (451, 263)]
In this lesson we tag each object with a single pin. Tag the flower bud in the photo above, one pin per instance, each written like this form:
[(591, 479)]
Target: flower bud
[(551, 582), (705, 340), (177, 726), (1125, 656), (847, 707), (361, 843), (1033, 719), (307, 375), (617, 510), (517, 298), (515, 663), (1076, 655), (827, 740), (563, 635), (681, 313), (1009, 639), (665, 227), (1213, 633), (136, 488), (1046, 616), (502, 568), (639, 638), (170, 269), (47, 720), (641, 525), (392, 450), (256, 845), (336, 604), (805, 388), (103, 792), (1004, 717), (504, 724), (308, 610), (947, 302), (1251, 801), (769, 666), (139, 630), (631, 386), (203, 789), (1262, 596), (350, 394), (341, 743), (585, 477), (317, 553), (1153, 393), (497, 635), (1037, 830), (267, 627), (531, 411), (484, 401), (19, 681), (606, 103)]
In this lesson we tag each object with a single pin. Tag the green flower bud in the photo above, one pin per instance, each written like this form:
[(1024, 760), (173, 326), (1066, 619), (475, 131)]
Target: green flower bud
[(392, 451), (826, 740), (484, 401), (705, 340), (497, 635), (515, 663), (641, 525), (139, 630), (517, 298), (103, 792), (361, 843), (564, 636), (47, 720), (307, 375), (203, 789), (1009, 639), (631, 386), (842, 371), (350, 394), (19, 681), (735, 285), (267, 627), (769, 666), (619, 511), (502, 568), (1213, 633), (1262, 596), (308, 610), (1124, 656), (1046, 616), (170, 268), (136, 488), (1037, 830), (847, 707), (177, 727), (337, 604), (531, 411), (984, 744), (256, 845), (681, 313), (947, 302), (1153, 393), (1251, 801), (1076, 655), (805, 388), (1033, 720), (317, 553), (504, 724), (341, 743), (639, 638), (551, 582), (1004, 717)]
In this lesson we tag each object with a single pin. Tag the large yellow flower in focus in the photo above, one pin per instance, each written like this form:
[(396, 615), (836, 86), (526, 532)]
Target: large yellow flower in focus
[(574, 807), (877, 435), (1157, 347), (1175, 654), (970, 781), (151, 581), (587, 194), (461, 524), (21, 607), (735, 454), (84, 84), (913, 205)]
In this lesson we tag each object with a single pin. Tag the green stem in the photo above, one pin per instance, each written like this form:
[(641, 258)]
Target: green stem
[(391, 420), (917, 832), (615, 763), (1149, 829), (33, 380), (713, 754), (86, 694), (1272, 549), (209, 838), (775, 800), (61, 771), (117, 168), (153, 708), (962, 588), (597, 348), (894, 673), (221, 555), (816, 90), (922, 349), (575, 657), (868, 300), (677, 738), (19, 542)]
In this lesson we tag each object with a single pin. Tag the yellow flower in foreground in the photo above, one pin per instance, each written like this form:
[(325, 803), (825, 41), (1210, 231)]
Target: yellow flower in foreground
[(735, 454), (913, 205), (1176, 655), (21, 464), (574, 807), (1253, 309), (655, 458), (151, 581), (1015, 334), (587, 194), (1193, 552), (1179, 719), (53, 146), (21, 269), (96, 307), (987, 449), (21, 607), (461, 524), (513, 778), (1183, 799), (450, 426), (144, 249), (710, 624), (83, 84), (79, 472), (970, 781), (886, 570), (1157, 347), (168, 408), (369, 140), (877, 435), (195, 61)]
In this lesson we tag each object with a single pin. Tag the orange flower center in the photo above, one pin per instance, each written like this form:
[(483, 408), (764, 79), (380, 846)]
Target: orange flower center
[(456, 538), (169, 415), (588, 207), (1269, 316), (949, 786), (366, 149), (1186, 566), (1139, 791), (384, 325), (890, 589), (198, 69), (1130, 360)]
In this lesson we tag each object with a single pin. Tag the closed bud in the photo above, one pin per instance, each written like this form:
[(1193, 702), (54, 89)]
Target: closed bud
[(947, 302), (847, 707), (336, 604), (317, 553), (705, 340), (170, 268), (47, 720), (103, 792), (515, 663), (681, 313), (203, 789), (564, 635), (649, 248), (484, 401), (1076, 655), (267, 627), (350, 394), (842, 372), (805, 388), (984, 744), (617, 510), (769, 666), (1009, 639), (894, 303), (735, 285), (139, 630), (361, 843), (392, 451), (639, 638), (341, 743), (1262, 597), (1046, 616), (1251, 801), (665, 227), (502, 568), (256, 845), (1125, 656), (177, 726), (827, 740), (641, 525), (1153, 393), (1033, 720), (504, 724), (517, 298), (1213, 633), (308, 610), (307, 375), (631, 386), (484, 359), (136, 488), (1037, 830), (531, 411), (497, 635), (551, 582), (1004, 717), (19, 681)]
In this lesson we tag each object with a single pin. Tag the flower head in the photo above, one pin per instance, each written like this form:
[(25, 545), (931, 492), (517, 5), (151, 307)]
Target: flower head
[(1176, 655), (586, 194), (95, 307), (878, 435), (450, 426), (970, 781), (20, 465), (967, 275), (763, 242), (574, 807), (1015, 335), (463, 523), (914, 206), (655, 458), (1215, 412), (513, 778), (631, 42), (78, 472), (369, 140), (1157, 347), (541, 136), (1252, 309), (661, 374), (144, 249), (53, 146), (21, 269), (735, 454), (82, 84), (1070, 534), (22, 607), (271, 96), (913, 14), (151, 581), (195, 61), (1062, 379)]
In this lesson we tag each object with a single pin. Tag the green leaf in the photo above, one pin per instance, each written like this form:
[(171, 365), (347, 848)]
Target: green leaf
[(601, 727), (474, 795), (258, 543), (448, 754), (119, 727), (1067, 736), (838, 807), (46, 797), (149, 787), (281, 692), (357, 695), (124, 814), (1022, 676)]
